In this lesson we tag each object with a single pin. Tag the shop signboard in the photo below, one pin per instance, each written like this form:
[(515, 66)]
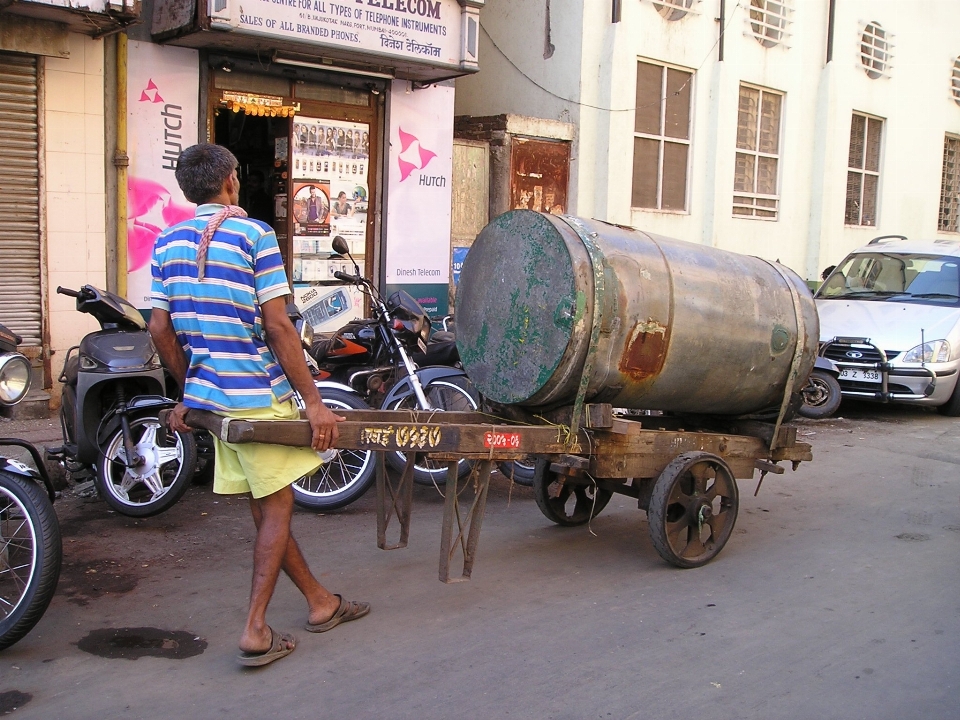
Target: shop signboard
[(423, 31), (162, 118), (418, 192)]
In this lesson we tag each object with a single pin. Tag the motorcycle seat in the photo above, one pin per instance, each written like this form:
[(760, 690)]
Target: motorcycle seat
[(322, 345)]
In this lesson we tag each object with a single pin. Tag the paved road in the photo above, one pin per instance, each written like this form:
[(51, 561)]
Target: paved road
[(837, 597)]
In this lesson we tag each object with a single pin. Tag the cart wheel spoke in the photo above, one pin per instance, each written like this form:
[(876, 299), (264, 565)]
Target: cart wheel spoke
[(701, 473), (693, 508), (677, 532)]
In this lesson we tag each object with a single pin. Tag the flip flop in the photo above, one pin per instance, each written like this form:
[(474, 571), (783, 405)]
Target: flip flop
[(348, 610), (277, 650)]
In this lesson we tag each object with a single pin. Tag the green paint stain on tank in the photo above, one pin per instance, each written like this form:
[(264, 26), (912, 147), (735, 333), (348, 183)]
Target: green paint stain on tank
[(523, 306)]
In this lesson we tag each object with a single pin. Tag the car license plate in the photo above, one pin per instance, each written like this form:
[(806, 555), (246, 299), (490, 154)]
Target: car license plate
[(860, 375)]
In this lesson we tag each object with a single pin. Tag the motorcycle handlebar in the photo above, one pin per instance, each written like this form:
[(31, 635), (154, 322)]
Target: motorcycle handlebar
[(68, 291), (355, 279)]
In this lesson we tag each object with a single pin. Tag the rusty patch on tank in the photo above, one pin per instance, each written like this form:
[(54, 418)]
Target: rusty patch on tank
[(646, 350)]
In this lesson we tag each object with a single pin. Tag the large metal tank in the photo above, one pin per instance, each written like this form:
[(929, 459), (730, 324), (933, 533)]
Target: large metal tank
[(647, 321)]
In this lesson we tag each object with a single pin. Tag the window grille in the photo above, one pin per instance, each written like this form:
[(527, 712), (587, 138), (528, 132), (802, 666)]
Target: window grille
[(661, 139), (876, 50), (949, 220), (757, 169), (675, 9), (863, 170), (768, 21)]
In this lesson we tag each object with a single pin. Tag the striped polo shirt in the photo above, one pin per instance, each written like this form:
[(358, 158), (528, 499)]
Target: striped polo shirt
[(218, 321)]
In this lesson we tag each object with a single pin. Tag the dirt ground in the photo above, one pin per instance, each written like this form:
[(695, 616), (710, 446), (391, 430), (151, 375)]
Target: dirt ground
[(836, 597)]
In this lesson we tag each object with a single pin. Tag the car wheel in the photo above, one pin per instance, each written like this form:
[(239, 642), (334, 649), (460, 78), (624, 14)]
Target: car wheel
[(951, 408)]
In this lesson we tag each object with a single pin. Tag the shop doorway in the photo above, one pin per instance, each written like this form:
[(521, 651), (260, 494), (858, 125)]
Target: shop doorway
[(259, 144), (307, 153)]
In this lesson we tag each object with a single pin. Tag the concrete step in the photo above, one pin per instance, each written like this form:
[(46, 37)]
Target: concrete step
[(35, 406)]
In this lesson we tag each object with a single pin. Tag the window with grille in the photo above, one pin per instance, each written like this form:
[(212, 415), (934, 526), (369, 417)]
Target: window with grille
[(674, 9), (768, 21), (863, 170), (949, 220), (661, 139), (756, 175), (875, 50), (955, 80)]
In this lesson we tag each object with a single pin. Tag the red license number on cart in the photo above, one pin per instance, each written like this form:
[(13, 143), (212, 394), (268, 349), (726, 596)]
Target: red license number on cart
[(501, 440)]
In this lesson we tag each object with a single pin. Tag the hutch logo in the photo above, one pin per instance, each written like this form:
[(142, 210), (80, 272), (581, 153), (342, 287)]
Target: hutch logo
[(151, 89), (413, 156)]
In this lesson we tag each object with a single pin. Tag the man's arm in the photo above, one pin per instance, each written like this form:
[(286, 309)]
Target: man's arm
[(173, 358), (285, 344)]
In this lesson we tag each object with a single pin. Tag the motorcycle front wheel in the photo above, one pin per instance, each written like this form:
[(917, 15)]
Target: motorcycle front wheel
[(161, 478), (30, 555), (345, 475), (451, 394)]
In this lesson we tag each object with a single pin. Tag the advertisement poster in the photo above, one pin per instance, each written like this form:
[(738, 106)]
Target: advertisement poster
[(328, 307), (418, 210), (331, 161), (162, 116), (330, 164)]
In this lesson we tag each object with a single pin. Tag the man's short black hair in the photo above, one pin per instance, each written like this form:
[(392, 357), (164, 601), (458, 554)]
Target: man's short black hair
[(202, 169)]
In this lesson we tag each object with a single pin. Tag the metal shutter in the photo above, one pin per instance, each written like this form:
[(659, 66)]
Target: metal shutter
[(20, 300)]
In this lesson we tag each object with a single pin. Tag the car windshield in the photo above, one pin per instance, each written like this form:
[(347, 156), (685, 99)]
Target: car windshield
[(895, 277)]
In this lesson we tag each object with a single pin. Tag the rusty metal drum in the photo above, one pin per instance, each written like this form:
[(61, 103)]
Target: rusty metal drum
[(548, 303)]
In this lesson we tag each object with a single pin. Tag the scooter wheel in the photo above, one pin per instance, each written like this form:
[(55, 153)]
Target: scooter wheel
[(167, 464)]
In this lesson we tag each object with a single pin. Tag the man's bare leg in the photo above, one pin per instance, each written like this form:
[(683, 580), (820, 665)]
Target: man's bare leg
[(273, 539), (322, 604)]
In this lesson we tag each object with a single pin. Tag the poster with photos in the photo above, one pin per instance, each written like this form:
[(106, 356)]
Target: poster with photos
[(335, 155), (311, 207)]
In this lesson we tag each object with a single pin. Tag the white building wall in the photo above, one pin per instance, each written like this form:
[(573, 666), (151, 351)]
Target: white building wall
[(809, 233), (74, 172)]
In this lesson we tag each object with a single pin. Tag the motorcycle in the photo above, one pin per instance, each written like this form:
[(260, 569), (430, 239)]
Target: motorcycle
[(821, 395), (375, 358), (114, 388), (30, 547)]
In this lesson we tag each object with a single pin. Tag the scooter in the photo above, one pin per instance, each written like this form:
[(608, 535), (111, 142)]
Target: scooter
[(373, 358), (30, 547), (114, 388)]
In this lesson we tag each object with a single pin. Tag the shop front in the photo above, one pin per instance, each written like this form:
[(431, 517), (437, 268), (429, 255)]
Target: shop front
[(341, 118)]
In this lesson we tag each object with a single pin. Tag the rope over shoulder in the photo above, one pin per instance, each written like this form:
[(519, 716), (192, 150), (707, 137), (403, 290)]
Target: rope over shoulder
[(212, 224)]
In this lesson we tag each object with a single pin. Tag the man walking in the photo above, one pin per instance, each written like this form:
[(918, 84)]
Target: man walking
[(220, 325)]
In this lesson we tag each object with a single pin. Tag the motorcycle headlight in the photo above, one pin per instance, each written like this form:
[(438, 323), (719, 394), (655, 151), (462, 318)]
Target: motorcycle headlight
[(14, 378), (306, 334), (936, 351)]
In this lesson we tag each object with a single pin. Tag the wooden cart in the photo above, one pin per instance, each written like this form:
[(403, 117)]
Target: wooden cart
[(684, 479)]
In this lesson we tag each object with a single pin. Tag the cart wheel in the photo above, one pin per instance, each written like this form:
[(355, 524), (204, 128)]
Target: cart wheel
[(566, 503), (693, 509)]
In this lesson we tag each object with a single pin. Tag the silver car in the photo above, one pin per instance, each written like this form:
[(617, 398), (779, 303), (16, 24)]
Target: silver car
[(890, 319)]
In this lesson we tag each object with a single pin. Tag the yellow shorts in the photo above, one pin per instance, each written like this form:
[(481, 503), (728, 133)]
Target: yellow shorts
[(258, 468)]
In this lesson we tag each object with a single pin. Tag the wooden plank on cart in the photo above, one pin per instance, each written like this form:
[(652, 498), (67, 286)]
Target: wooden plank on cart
[(404, 430), (645, 453)]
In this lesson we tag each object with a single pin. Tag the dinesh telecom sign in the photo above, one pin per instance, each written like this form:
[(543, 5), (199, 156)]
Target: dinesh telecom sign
[(434, 32)]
